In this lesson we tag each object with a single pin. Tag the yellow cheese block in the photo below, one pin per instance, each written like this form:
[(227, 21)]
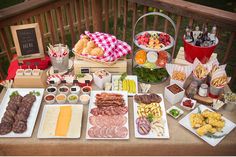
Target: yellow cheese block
[(63, 122)]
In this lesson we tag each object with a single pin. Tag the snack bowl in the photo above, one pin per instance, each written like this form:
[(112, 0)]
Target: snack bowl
[(56, 78), (52, 90), (174, 93), (36, 72), (82, 78), (61, 98), (86, 90), (20, 72), (49, 98), (175, 112), (84, 98), (75, 89), (64, 90), (188, 104), (73, 98), (28, 72), (69, 79)]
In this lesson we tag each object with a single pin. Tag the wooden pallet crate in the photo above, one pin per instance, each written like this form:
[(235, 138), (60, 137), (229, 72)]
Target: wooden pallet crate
[(117, 68)]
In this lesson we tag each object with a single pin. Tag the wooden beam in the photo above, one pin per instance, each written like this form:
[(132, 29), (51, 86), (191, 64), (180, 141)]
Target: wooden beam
[(6, 44), (229, 46), (86, 14), (125, 19), (51, 27), (71, 21), (79, 27), (107, 16), (196, 11), (97, 15), (115, 17), (60, 23)]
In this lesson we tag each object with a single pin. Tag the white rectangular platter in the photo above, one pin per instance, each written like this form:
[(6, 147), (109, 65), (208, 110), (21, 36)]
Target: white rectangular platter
[(33, 113), (152, 133), (92, 105), (229, 126), (130, 77), (54, 110)]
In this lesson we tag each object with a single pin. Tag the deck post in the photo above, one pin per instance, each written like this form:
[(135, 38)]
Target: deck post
[(97, 15)]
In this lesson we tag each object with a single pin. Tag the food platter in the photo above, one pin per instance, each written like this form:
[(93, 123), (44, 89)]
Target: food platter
[(130, 78), (152, 49), (50, 118), (217, 137), (109, 124), (33, 112), (155, 76), (161, 121)]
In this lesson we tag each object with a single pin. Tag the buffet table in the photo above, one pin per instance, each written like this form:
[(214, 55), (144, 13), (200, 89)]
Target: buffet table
[(181, 141)]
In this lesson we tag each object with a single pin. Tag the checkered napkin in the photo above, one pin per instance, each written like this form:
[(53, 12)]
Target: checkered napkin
[(112, 47)]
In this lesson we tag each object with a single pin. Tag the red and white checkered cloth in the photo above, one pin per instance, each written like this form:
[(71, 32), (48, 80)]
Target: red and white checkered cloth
[(112, 47)]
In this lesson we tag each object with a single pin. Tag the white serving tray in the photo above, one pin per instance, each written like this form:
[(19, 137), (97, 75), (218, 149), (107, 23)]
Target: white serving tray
[(152, 134), (92, 105), (229, 126), (78, 126), (33, 113), (130, 77)]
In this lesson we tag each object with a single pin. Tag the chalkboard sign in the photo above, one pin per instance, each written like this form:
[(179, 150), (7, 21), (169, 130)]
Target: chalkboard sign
[(84, 70), (28, 41)]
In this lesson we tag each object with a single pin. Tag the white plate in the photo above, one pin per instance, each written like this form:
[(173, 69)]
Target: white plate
[(150, 49), (130, 77), (74, 130), (92, 105), (151, 134), (229, 126), (175, 107), (33, 112)]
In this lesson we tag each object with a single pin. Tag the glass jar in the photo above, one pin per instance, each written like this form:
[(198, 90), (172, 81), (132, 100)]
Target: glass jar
[(192, 89), (203, 90)]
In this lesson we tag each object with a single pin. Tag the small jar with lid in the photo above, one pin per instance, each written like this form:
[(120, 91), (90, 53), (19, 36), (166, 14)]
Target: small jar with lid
[(192, 89), (203, 90)]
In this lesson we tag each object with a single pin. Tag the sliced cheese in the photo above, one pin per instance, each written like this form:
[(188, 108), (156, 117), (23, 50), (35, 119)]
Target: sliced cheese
[(63, 122), (50, 121), (76, 120)]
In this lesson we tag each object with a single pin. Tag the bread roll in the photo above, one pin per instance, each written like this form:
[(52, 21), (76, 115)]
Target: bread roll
[(97, 52)]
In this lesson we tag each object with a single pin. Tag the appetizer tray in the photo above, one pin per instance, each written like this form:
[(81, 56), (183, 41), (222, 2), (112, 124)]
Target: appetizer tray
[(128, 86), (217, 137), (50, 121), (111, 123), (33, 112), (160, 124)]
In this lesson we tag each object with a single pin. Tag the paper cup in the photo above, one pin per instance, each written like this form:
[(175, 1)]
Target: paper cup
[(215, 91)]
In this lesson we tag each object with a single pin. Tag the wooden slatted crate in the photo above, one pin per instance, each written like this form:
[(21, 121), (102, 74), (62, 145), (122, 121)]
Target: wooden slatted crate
[(118, 68)]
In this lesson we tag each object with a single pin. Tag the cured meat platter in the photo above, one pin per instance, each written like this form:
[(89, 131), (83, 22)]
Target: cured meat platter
[(61, 121), (129, 84), (149, 116), (108, 115), (23, 104)]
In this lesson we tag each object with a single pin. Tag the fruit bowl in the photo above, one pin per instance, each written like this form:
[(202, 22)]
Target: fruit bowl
[(153, 41)]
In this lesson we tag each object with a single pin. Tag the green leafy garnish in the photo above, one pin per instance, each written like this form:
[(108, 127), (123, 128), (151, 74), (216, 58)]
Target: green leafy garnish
[(123, 76), (150, 75), (199, 110), (214, 136), (14, 94), (150, 117), (80, 75), (35, 93)]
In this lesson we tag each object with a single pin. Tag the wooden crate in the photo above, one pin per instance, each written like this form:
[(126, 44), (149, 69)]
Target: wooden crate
[(181, 60), (118, 68), (31, 81)]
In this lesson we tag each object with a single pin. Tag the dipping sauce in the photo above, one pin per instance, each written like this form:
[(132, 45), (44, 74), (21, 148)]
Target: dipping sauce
[(73, 98), (61, 98), (86, 90), (50, 98), (52, 90), (64, 89), (84, 99), (75, 89), (175, 89)]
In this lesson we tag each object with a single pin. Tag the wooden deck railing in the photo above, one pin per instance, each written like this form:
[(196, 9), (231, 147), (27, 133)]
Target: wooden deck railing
[(64, 20)]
